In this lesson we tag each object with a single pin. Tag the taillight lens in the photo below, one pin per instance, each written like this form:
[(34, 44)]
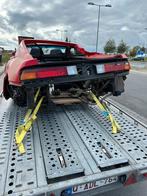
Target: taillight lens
[(49, 72), (131, 180), (145, 175), (52, 72), (28, 75), (104, 68)]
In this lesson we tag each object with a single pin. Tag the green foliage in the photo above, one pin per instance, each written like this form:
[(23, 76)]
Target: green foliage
[(5, 57), (134, 50), (142, 49), (110, 46), (122, 47)]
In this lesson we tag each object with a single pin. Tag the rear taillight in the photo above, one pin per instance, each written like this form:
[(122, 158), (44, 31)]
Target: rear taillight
[(145, 175), (104, 68), (28, 75), (49, 72), (52, 72), (130, 180)]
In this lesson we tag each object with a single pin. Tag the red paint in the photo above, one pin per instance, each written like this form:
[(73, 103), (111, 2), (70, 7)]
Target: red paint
[(131, 180), (23, 59)]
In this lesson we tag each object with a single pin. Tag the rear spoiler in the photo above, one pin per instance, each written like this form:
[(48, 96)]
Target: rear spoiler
[(20, 38), (78, 61)]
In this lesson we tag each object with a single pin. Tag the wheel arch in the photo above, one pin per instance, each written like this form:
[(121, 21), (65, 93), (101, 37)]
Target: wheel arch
[(5, 87)]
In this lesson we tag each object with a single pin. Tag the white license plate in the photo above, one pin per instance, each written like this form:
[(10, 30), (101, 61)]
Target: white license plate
[(91, 185)]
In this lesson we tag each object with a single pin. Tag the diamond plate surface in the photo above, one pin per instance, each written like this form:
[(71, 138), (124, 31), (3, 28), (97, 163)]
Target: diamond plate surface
[(99, 144), (132, 139), (59, 156)]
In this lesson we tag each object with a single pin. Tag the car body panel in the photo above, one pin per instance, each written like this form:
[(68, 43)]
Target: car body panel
[(86, 64), (23, 59)]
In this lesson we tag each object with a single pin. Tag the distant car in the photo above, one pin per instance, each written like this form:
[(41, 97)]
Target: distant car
[(64, 66), (139, 57)]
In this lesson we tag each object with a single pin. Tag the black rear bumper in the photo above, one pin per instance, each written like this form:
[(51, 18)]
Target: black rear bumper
[(71, 79)]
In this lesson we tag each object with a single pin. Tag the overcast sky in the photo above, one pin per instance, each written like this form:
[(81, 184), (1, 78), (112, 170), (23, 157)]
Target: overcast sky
[(126, 20)]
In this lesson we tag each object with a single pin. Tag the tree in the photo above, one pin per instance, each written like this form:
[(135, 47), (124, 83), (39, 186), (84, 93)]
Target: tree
[(110, 46), (134, 50), (122, 47), (142, 49)]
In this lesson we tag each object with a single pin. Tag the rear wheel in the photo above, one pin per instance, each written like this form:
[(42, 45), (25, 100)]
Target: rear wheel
[(20, 101), (18, 95)]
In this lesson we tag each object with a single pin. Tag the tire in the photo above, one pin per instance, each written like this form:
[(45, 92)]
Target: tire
[(18, 95), (20, 101)]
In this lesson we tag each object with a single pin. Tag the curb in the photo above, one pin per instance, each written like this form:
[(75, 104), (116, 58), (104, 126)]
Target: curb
[(139, 71)]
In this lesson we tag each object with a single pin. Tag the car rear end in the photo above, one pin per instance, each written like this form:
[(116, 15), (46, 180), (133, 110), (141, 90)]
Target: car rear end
[(105, 74)]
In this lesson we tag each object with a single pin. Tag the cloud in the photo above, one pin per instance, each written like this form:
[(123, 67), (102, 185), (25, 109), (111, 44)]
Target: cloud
[(124, 28), (41, 18)]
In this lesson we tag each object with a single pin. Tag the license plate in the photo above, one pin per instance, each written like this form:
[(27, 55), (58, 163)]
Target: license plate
[(91, 185)]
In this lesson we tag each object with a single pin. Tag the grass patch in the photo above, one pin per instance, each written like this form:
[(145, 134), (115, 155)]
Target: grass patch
[(6, 56)]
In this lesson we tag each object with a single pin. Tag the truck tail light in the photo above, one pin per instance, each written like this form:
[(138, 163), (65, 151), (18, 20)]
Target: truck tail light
[(131, 180), (49, 72)]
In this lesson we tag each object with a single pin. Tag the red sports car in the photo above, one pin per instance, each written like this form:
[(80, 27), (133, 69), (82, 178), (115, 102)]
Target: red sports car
[(62, 67)]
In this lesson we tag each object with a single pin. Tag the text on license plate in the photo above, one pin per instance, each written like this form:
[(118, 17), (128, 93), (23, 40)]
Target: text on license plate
[(91, 185)]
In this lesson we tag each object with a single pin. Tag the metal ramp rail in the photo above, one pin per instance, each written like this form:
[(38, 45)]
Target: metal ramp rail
[(68, 145)]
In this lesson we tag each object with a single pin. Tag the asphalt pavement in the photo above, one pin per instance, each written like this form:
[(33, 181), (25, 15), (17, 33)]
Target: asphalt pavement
[(134, 98), (135, 95)]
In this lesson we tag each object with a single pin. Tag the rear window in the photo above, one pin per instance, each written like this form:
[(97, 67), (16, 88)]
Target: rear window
[(48, 49)]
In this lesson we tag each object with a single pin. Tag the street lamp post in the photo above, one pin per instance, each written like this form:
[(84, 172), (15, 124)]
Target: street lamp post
[(98, 21), (145, 43), (62, 32)]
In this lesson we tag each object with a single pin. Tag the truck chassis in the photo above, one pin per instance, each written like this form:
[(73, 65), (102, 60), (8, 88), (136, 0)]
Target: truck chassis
[(70, 146)]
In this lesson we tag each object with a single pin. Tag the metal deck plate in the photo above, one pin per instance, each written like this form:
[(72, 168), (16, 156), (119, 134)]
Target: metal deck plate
[(51, 154), (60, 159), (5, 139), (131, 138), (100, 144), (21, 173)]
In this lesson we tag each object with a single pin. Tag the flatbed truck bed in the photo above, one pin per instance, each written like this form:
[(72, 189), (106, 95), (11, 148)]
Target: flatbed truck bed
[(70, 150)]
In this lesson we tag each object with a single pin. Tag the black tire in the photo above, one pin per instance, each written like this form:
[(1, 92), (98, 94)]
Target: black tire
[(18, 95), (20, 101)]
